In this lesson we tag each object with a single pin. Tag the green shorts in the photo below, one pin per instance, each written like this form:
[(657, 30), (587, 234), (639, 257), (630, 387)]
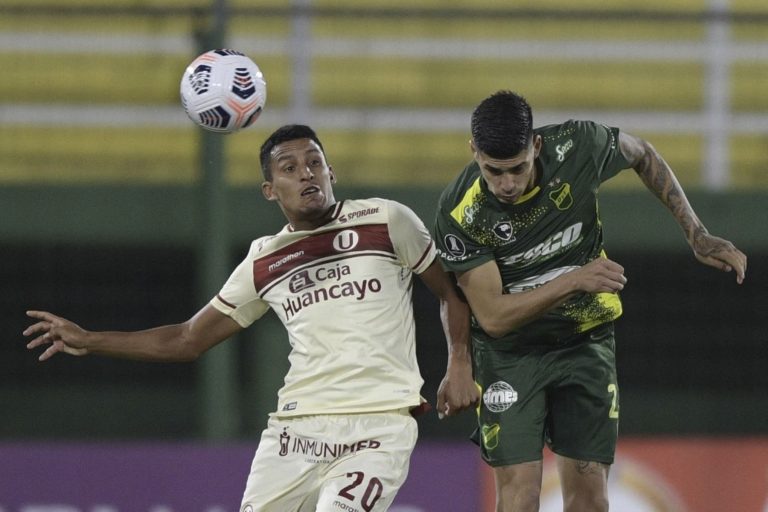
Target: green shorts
[(566, 396)]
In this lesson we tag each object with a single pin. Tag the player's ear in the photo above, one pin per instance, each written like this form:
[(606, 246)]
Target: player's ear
[(475, 151), (536, 145), (472, 147), (266, 189), (333, 175)]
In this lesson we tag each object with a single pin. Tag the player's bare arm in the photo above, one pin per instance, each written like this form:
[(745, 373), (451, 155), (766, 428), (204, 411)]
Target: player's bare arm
[(659, 178), (178, 342), (457, 390), (499, 313)]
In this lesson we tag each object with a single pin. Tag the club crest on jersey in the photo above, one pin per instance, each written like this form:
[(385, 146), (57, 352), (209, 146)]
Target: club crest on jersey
[(346, 240), (454, 245), (562, 197), (503, 231)]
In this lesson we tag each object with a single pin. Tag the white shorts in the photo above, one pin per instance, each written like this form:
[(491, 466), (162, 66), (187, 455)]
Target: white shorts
[(331, 463)]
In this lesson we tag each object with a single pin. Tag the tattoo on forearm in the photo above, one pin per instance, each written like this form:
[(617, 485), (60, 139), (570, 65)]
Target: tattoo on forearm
[(659, 178)]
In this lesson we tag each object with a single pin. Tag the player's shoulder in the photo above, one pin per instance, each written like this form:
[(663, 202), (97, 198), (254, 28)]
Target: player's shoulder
[(367, 202), (263, 244), (455, 192), (376, 210), (571, 129), (559, 139), (370, 210)]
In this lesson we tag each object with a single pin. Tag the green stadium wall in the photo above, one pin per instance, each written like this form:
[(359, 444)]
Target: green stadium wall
[(691, 344)]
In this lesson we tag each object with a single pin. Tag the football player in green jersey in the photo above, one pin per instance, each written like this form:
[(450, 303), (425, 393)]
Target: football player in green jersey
[(520, 229)]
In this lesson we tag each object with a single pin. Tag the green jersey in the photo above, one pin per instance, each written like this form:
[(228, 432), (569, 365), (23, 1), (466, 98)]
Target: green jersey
[(552, 230)]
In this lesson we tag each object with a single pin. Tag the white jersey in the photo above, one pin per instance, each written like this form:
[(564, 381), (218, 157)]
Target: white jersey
[(343, 292)]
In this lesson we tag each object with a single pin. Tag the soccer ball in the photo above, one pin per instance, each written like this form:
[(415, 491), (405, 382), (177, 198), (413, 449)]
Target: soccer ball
[(223, 91)]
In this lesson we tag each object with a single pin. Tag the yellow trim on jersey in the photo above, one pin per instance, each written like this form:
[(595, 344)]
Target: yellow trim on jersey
[(523, 198), (609, 301), (468, 200)]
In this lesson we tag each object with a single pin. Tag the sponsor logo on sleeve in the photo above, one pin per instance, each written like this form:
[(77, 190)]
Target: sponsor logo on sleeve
[(454, 245)]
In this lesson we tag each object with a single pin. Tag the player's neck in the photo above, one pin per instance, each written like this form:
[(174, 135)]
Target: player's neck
[(311, 222), (535, 177)]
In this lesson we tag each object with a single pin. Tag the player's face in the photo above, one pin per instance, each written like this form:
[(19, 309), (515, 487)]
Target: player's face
[(302, 182), (509, 178)]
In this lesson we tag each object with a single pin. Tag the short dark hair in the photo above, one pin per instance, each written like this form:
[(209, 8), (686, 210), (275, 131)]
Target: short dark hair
[(502, 125), (284, 134)]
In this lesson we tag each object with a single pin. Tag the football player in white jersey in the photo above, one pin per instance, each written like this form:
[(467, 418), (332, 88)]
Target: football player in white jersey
[(338, 275)]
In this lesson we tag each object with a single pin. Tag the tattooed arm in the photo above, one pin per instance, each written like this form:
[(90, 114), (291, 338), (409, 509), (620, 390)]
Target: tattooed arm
[(659, 178)]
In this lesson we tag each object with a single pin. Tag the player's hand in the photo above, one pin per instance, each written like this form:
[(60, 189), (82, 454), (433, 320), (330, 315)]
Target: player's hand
[(599, 276), (457, 390), (721, 254), (61, 334)]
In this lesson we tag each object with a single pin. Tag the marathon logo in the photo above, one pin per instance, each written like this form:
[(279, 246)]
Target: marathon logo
[(285, 259)]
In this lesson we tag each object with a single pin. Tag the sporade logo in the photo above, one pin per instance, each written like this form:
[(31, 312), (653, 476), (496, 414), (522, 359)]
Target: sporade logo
[(357, 214)]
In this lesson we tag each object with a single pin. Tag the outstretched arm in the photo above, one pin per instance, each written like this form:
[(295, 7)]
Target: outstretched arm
[(659, 178), (499, 313), (457, 390), (178, 342)]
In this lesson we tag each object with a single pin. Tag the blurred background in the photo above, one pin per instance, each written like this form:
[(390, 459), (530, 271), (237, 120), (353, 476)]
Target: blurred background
[(117, 212)]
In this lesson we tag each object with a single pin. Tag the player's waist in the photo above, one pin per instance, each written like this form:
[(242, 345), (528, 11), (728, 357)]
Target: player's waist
[(539, 335), (288, 407)]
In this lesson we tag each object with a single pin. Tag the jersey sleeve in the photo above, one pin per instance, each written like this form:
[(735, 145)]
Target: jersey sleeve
[(458, 251), (238, 298), (410, 237), (607, 153)]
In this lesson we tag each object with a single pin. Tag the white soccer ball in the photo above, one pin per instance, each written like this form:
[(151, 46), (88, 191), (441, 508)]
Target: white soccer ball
[(223, 91)]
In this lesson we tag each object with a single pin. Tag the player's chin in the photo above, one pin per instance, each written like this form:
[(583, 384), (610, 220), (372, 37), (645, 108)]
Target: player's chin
[(315, 200)]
